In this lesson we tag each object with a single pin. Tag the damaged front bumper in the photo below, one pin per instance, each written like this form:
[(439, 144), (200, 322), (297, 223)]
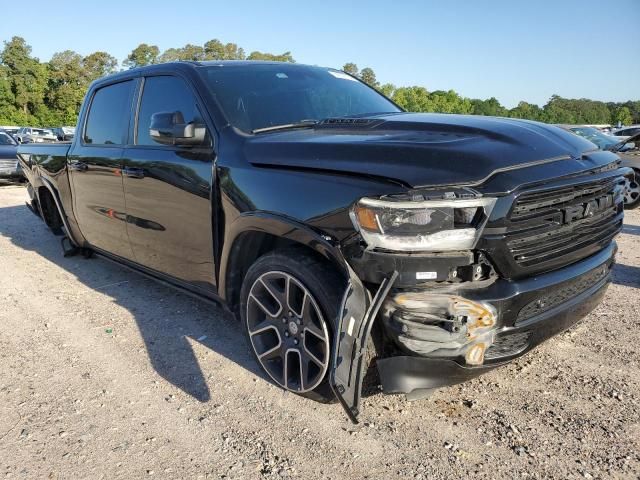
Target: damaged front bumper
[(447, 333), (450, 335)]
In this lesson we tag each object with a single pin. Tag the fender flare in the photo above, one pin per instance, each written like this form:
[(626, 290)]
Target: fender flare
[(56, 198), (282, 227)]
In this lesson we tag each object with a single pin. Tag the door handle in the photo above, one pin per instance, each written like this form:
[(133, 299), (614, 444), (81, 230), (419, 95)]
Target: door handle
[(133, 172), (78, 166)]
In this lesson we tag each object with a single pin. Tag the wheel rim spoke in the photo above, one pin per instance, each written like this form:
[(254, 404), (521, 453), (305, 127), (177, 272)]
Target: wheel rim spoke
[(287, 331), (263, 307), (311, 355), (263, 327), (631, 191), (271, 353), (277, 296)]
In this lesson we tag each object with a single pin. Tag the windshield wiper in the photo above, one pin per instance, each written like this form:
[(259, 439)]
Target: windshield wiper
[(286, 126)]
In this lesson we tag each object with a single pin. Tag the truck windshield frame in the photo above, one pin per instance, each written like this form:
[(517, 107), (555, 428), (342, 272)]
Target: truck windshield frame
[(256, 97)]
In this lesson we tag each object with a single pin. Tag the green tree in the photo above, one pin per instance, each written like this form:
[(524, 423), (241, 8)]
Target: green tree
[(388, 89), (7, 99), (98, 64), (622, 115), (490, 107), (449, 102), (368, 76), (66, 86), (526, 110), (189, 52), (216, 50), (351, 69), (283, 57), (143, 54), (27, 77), (192, 52), (412, 99)]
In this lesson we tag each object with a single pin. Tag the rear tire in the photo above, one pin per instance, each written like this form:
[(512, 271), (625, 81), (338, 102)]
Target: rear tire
[(289, 305)]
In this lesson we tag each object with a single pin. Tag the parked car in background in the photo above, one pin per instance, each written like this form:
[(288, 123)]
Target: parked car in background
[(627, 148), (629, 131), (64, 134), (35, 135), (9, 165), (11, 130)]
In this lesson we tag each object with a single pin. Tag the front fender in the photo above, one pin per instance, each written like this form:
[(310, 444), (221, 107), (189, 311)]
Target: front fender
[(282, 227), (357, 311)]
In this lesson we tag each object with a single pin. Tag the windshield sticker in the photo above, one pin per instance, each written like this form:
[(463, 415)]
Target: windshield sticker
[(342, 75), (281, 75)]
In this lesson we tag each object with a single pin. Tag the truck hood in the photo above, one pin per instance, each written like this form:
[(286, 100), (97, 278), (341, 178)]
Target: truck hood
[(416, 149)]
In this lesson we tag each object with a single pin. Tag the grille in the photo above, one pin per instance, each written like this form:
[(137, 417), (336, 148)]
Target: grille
[(563, 293), (550, 224)]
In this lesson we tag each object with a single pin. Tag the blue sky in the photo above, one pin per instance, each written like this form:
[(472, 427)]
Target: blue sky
[(513, 50)]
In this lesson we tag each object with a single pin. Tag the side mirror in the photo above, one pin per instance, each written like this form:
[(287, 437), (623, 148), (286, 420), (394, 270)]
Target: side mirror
[(628, 146), (168, 128)]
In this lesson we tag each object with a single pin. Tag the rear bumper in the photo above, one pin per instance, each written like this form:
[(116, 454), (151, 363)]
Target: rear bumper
[(527, 313)]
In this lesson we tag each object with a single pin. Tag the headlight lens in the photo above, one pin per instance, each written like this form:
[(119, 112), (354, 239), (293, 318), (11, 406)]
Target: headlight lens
[(428, 225)]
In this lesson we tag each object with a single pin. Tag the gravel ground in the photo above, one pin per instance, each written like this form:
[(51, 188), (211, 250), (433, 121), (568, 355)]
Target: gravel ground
[(106, 374)]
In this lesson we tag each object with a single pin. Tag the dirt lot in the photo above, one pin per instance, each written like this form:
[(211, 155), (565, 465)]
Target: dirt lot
[(106, 374)]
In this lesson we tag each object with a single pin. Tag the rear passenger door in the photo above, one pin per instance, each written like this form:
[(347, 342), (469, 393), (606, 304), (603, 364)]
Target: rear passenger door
[(95, 169), (167, 188)]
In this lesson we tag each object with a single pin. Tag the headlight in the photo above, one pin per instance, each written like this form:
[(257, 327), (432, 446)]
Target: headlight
[(428, 225)]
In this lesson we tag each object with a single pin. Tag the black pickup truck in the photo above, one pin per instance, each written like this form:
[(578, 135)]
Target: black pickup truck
[(337, 227)]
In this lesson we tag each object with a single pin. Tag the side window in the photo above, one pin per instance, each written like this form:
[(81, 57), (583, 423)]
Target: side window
[(165, 94), (108, 118)]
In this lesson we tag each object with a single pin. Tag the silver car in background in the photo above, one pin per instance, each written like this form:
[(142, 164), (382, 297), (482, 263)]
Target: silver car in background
[(35, 135), (626, 132)]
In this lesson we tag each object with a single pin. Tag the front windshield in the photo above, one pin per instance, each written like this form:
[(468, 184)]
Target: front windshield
[(41, 131), (5, 139), (265, 95), (596, 136)]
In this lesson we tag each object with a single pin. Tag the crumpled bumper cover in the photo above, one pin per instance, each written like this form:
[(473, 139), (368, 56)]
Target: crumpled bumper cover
[(527, 313)]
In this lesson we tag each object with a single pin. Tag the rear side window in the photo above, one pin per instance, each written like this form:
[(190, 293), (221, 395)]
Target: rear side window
[(108, 118), (165, 94)]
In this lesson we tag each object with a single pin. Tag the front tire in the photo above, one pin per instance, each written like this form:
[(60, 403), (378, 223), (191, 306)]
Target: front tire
[(289, 305)]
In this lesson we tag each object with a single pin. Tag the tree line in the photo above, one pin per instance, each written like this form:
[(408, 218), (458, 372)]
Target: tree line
[(50, 93)]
